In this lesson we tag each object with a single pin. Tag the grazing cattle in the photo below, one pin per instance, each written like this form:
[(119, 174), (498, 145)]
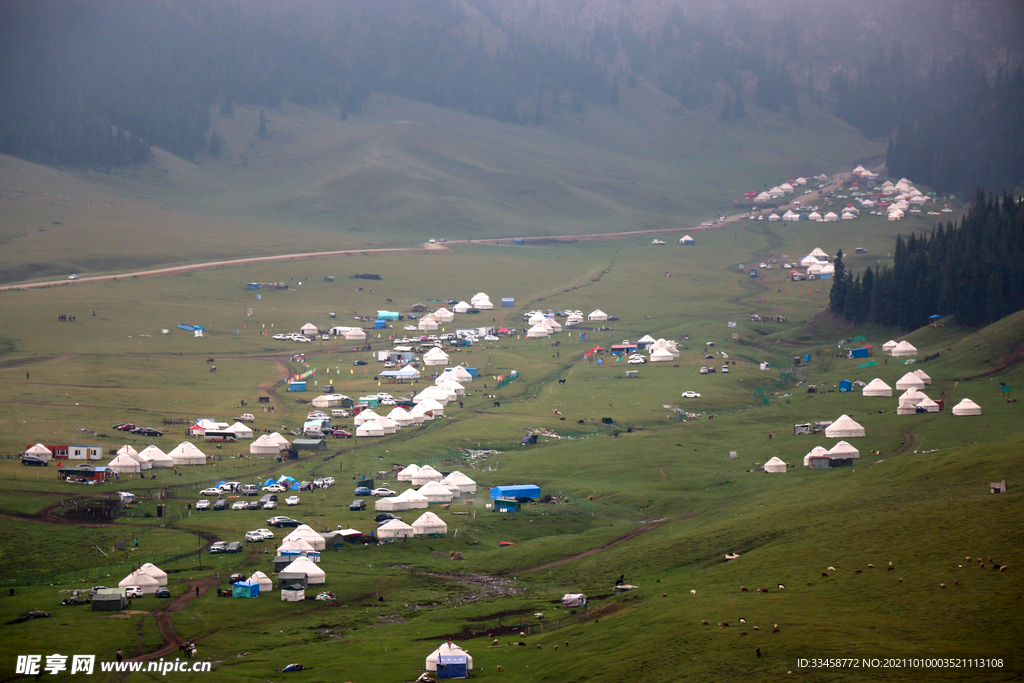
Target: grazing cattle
[(562, 419), (942, 585), (756, 628), (495, 642), (521, 644), (858, 571), (556, 647), (390, 301), (561, 381), (891, 568), (762, 590), (579, 422), (522, 634), (743, 589), (539, 646), (968, 558), (497, 405), (693, 592), (1003, 568), (776, 629), (831, 569), (723, 624), (742, 620), (743, 633), (956, 582), (704, 623), (825, 574), (664, 595), (809, 583), (871, 566), (782, 587), (899, 580), (982, 565)]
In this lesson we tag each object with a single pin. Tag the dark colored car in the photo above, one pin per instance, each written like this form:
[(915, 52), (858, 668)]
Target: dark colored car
[(34, 461), (218, 547), (147, 431), (234, 547), (283, 522), (255, 505), (125, 426), (163, 593), (358, 505), (222, 504), (363, 491), (269, 497), (359, 362), (384, 517)]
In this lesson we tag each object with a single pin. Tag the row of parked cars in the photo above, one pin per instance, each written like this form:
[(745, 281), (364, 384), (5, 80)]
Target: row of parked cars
[(141, 431)]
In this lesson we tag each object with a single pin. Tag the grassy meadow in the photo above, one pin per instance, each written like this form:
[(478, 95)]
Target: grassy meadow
[(924, 507)]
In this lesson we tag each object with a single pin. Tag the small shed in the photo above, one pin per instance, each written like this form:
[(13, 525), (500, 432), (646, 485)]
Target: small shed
[(997, 487), (297, 385), (802, 429), (309, 445), (516, 491), (845, 385), (109, 600), (293, 592)]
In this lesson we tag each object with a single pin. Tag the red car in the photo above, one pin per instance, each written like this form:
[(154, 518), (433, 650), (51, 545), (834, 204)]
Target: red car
[(340, 434), (125, 426)]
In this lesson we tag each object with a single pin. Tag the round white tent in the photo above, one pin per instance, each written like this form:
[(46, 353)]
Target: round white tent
[(391, 504), (844, 428), (775, 466), (407, 473), (266, 585), (538, 331), (147, 583), (159, 458), (366, 416), (355, 334), (435, 492), (433, 405), (815, 452), (597, 315), (265, 445), (909, 381), (429, 523), (913, 396), (394, 528), (426, 474), (292, 593), (369, 429), (928, 405), (145, 462), (435, 356), (465, 484), (124, 464), (661, 356), (241, 431), (843, 451), (443, 315), (427, 324), (400, 416), (889, 346), (877, 387), (459, 374), (903, 349), (419, 413), (461, 307), (387, 424), (413, 499), (276, 436), (127, 450), (306, 566), (923, 376), (906, 409), (186, 453), (40, 451), (967, 407), (482, 302)]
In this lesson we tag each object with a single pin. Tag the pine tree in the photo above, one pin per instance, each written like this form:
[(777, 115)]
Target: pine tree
[(837, 297)]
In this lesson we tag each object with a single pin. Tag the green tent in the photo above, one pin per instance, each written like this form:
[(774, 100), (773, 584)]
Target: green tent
[(245, 589)]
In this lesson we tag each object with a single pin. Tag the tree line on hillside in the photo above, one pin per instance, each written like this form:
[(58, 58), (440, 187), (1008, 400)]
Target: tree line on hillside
[(973, 271), (955, 127)]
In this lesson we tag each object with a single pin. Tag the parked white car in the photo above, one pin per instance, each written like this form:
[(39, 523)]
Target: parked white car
[(491, 338), (266, 533), (202, 504), (133, 591), (291, 500), (273, 488), (240, 505), (253, 537)]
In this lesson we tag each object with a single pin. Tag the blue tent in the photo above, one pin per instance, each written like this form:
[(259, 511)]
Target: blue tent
[(516, 491), (244, 589), (269, 482), (221, 483)]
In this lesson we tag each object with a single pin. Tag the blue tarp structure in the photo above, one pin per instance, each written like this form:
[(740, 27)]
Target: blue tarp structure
[(863, 352), (516, 491), (452, 666), (244, 589), (846, 385), (297, 386)]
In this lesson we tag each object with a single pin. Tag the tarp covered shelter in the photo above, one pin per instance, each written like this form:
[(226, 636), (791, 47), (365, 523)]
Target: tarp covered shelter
[(516, 491), (429, 523), (245, 589), (574, 600), (844, 428), (967, 407), (109, 600)]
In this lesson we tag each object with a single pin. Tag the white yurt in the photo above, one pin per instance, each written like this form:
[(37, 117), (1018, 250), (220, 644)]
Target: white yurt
[(265, 445), (427, 324), (443, 315), (266, 585), (877, 387), (843, 451), (145, 462), (430, 404), (394, 528), (459, 374), (365, 416), (553, 325), (661, 356), (407, 473), (369, 429), (413, 499), (686, 240), (573, 320), (425, 475), (159, 458), (242, 431), (124, 464), (435, 492), (186, 453), (924, 376), (291, 592), (774, 466), (481, 301), (815, 452), (435, 356), (309, 329), (461, 307), (597, 315), (909, 381), (355, 334), (889, 346), (831, 217), (912, 396), (844, 428), (465, 484), (276, 436), (292, 544), (813, 216), (147, 583), (538, 332), (451, 385), (429, 523), (420, 414), (906, 409), (308, 534), (40, 451), (928, 405), (159, 574), (810, 261), (400, 416), (903, 350), (126, 450), (387, 424), (304, 565), (967, 407), (324, 401), (774, 217)]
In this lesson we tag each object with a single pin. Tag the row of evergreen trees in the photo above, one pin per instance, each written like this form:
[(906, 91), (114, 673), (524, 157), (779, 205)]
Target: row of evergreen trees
[(973, 271)]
